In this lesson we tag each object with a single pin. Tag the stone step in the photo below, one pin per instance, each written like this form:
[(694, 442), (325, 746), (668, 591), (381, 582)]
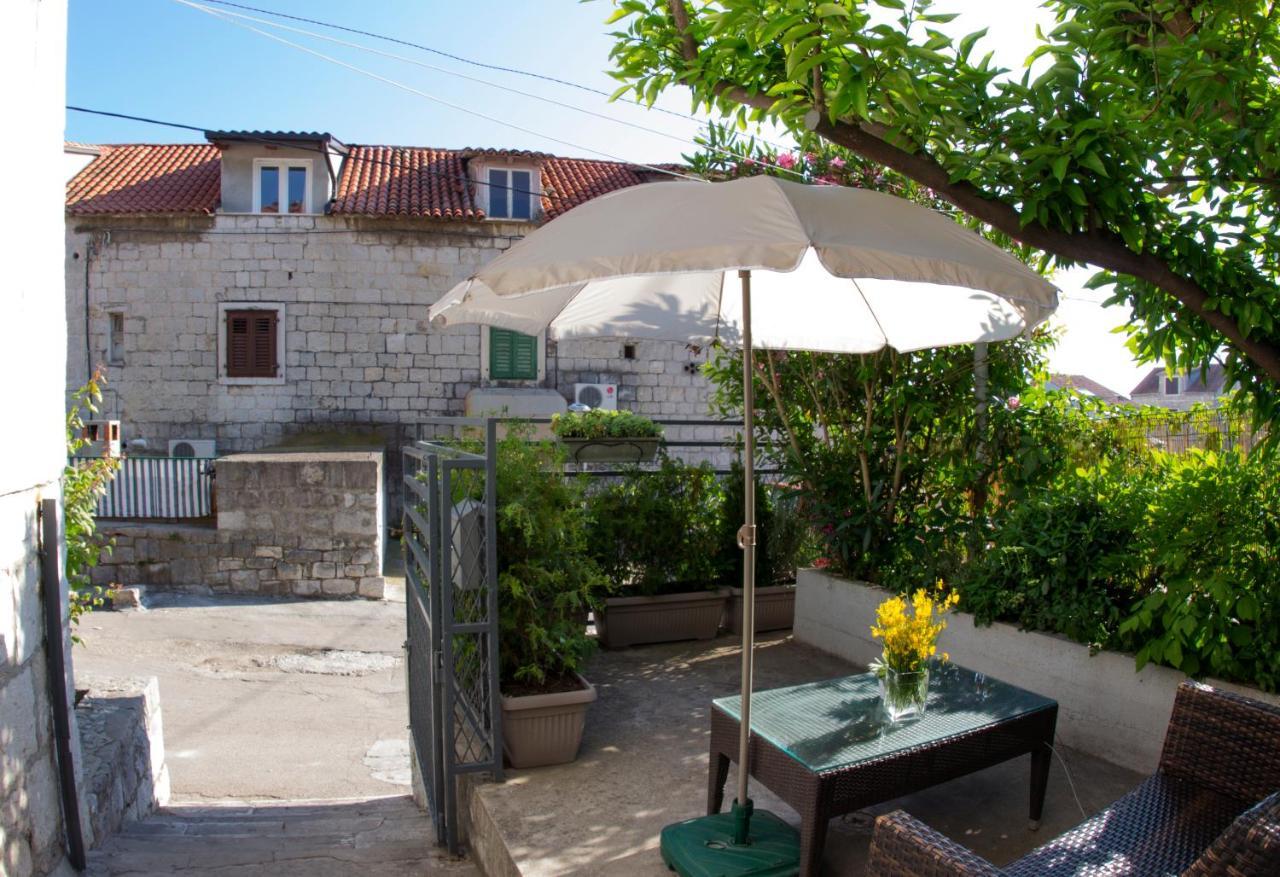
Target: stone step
[(367, 837)]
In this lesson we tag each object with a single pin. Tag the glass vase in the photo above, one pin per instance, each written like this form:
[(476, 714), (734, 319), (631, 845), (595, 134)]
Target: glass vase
[(904, 695)]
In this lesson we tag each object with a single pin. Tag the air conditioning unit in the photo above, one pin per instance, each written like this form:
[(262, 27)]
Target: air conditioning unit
[(596, 396), (102, 437), (193, 448)]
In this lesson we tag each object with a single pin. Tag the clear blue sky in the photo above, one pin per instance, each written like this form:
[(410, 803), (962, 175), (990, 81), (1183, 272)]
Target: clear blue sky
[(160, 59)]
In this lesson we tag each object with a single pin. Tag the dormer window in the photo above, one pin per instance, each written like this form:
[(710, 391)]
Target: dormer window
[(1171, 385), (281, 185), (510, 193)]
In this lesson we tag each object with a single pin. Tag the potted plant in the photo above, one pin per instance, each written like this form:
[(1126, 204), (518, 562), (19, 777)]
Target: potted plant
[(547, 582), (782, 541), (655, 535), (600, 436)]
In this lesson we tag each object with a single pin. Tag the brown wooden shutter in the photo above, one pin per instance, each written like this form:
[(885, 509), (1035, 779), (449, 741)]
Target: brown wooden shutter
[(251, 344)]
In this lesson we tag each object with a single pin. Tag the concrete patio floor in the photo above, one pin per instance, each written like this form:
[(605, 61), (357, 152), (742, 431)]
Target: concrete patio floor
[(644, 764)]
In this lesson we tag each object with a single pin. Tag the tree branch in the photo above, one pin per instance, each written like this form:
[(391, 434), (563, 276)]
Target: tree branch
[(1095, 246)]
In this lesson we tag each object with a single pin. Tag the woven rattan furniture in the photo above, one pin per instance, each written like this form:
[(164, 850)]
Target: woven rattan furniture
[(827, 749), (1211, 810)]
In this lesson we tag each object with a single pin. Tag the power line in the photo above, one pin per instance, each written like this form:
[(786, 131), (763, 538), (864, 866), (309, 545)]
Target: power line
[(411, 90), (527, 94), (471, 61)]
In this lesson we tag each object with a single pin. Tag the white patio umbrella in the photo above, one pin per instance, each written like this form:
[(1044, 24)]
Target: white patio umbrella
[(822, 268)]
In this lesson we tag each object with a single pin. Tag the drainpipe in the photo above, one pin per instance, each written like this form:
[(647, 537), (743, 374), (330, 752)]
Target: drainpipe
[(90, 251)]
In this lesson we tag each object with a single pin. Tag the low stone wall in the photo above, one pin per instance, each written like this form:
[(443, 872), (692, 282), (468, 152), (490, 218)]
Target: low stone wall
[(1104, 707), (122, 738), (301, 524)]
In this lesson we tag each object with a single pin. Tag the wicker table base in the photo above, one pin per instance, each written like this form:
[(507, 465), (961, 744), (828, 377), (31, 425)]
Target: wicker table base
[(820, 795)]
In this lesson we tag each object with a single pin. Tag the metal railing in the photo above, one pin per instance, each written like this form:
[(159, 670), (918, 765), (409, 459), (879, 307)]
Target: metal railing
[(159, 488)]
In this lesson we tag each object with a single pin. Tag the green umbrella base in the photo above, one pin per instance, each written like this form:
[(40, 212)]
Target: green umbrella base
[(704, 847)]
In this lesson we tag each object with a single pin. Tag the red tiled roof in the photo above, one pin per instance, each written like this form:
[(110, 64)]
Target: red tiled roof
[(148, 178), (404, 181), (573, 181)]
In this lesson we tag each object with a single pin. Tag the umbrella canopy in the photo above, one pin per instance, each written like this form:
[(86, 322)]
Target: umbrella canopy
[(821, 268), (842, 270)]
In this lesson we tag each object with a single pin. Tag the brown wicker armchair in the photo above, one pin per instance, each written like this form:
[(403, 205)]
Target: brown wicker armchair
[(1211, 810)]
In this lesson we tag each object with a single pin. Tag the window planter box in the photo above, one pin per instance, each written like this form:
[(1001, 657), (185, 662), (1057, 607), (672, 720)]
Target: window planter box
[(633, 621), (612, 450), (544, 729), (775, 608)]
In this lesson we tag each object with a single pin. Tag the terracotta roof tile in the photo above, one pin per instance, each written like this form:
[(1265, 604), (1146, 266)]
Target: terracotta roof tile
[(573, 181), (148, 178), (404, 181)]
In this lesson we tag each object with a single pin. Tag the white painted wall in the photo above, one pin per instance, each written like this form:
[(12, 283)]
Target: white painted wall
[(1104, 707), (33, 339)]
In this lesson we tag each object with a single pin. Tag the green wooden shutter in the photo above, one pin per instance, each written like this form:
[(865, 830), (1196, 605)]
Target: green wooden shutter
[(512, 356)]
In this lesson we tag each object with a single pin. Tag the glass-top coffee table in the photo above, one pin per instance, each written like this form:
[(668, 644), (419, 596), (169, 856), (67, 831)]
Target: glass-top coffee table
[(826, 748)]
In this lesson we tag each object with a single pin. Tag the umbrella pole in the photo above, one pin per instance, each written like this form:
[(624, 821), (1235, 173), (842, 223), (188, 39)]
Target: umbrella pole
[(747, 542), (741, 843)]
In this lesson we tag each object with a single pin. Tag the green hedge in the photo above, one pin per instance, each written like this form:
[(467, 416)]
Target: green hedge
[(1176, 558)]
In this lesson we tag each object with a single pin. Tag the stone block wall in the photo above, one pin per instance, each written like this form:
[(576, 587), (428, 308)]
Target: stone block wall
[(122, 737), (301, 524)]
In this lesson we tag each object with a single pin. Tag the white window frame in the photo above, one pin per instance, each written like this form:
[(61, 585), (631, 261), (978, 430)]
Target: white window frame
[(281, 335), (540, 354), (115, 353), (282, 165), (1172, 386), (535, 189)]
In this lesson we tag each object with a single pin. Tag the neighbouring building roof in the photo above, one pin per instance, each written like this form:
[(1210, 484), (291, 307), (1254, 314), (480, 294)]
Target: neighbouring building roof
[(394, 181), (148, 178), (1211, 381), (1086, 385)]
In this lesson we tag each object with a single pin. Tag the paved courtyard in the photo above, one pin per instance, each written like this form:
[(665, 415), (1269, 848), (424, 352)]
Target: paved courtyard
[(266, 698), (284, 724)]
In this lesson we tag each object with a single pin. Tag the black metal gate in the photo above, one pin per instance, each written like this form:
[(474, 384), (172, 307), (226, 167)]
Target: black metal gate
[(451, 600)]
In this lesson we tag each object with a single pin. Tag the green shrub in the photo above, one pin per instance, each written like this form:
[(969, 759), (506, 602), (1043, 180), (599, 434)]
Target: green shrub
[(783, 538), (1062, 559), (661, 531), (601, 424), (1212, 539), (547, 580)]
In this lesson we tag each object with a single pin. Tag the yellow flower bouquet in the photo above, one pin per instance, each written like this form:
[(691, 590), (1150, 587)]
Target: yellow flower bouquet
[(909, 632)]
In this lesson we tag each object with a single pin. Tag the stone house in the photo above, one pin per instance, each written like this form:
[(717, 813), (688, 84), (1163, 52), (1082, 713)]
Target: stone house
[(264, 284), (1183, 390)]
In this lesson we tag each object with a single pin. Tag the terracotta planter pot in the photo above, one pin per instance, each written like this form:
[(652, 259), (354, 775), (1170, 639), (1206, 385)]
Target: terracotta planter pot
[(543, 729), (612, 450), (775, 608), (631, 621)]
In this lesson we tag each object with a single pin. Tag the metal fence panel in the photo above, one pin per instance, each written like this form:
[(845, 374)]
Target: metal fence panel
[(160, 487), (450, 546)]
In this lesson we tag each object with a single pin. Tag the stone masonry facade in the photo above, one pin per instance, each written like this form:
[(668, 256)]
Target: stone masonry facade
[(301, 524), (358, 353)]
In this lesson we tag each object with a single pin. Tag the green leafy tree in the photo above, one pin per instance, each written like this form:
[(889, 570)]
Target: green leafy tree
[(1143, 138), (84, 482)]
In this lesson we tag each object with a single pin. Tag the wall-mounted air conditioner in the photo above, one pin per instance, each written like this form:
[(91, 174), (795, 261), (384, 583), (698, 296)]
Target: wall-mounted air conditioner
[(193, 448), (596, 395), (103, 438)]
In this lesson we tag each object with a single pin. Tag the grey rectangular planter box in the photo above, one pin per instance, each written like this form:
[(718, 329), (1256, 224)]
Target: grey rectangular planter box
[(612, 450), (633, 621), (775, 608)]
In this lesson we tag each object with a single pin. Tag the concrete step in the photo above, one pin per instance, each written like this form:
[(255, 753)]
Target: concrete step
[(367, 837)]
